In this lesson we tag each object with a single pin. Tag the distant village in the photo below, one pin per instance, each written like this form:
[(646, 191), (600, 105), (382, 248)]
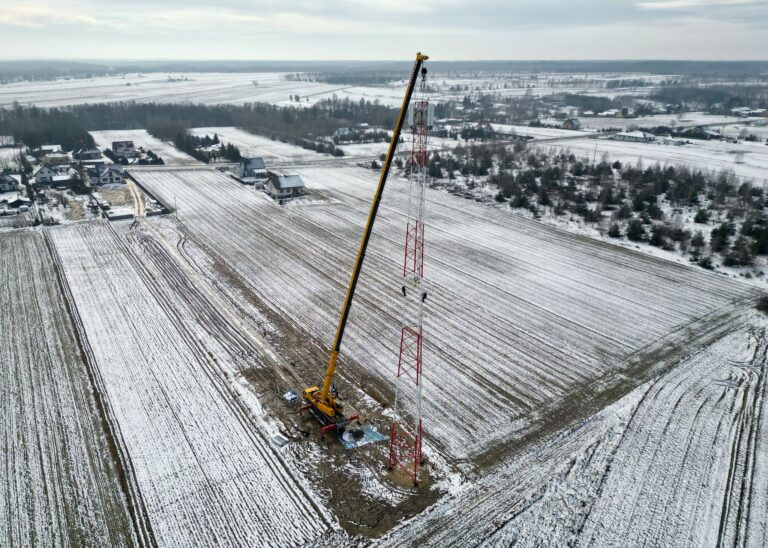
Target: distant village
[(48, 178)]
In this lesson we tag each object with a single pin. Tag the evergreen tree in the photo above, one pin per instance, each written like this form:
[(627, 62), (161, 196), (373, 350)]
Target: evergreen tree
[(635, 230)]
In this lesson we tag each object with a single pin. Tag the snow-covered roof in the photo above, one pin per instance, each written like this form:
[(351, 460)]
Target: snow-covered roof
[(8, 178), (8, 197), (40, 168), (51, 148), (637, 134), (103, 170), (254, 163), (287, 181)]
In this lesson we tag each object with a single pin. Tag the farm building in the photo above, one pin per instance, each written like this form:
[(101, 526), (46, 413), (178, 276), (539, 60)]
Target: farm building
[(284, 186), (672, 141), (635, 137)]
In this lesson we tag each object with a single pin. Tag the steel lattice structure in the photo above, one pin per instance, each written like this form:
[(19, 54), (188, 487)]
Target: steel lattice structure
[(405, 447)]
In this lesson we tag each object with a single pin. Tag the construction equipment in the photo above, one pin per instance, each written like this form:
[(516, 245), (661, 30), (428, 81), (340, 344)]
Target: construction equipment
[(322, 402)]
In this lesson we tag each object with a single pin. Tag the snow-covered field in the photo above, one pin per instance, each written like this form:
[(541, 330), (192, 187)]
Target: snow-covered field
[(275, 152), (737, 130), (686, 119), (520, 315), (205, 469), (58, 484), (256, 145), (167, 151), (748, 161), (680, 461), (272, 87), (537, 133), (207, 88), (9, 157)]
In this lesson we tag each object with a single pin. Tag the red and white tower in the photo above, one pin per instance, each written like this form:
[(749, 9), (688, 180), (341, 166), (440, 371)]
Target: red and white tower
[(406, 431)]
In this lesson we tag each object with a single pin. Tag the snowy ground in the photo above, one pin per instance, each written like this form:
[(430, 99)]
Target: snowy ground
[(677, 462), (207, 88), (9, 158), (167, 151), (521, 315), (284, 154), (257, 145), (239, 88), (686, 119), (539, 133), (736, 131), (58, 483), (205, 469), (748, 161)]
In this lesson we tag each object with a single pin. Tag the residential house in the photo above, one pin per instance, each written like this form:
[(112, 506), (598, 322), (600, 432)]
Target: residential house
[(103, 175), (572, 123), (66, 178), (47, 149), (211, 153), (251, 169), (56, 159), (439, 131), (284, 186), (87, 153), (343, 133), (43, 175), (124, 149), (8, 183)]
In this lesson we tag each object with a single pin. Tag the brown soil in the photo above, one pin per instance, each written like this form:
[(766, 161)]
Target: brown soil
[(302, 363)]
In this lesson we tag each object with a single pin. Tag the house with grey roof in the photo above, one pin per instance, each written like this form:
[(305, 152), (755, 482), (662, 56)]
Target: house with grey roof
[(102, 175), (281, 186), (43, 174), (251, 169)]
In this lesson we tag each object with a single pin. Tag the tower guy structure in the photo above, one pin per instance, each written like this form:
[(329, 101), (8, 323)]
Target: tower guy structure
[(405, 445)]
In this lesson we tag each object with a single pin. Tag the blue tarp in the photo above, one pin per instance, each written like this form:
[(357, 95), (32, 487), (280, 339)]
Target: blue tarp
[(352, 437)]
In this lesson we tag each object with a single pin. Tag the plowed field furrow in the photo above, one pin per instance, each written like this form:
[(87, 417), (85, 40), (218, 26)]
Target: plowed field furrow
[(205, 472), (518, 314), (60, 486)]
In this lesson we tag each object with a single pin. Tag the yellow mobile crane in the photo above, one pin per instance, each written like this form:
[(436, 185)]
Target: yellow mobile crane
[(322, 402)]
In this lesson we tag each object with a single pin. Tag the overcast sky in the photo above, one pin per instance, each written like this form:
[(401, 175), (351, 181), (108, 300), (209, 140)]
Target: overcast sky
[(384, 29)]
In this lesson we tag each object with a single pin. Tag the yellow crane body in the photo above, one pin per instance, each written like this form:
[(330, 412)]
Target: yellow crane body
[(322, 402)]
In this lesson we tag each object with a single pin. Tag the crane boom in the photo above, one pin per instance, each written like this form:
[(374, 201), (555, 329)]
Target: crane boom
[(321, 399)]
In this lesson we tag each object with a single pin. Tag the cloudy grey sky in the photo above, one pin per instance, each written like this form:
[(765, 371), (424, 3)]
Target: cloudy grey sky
[(384, 29)]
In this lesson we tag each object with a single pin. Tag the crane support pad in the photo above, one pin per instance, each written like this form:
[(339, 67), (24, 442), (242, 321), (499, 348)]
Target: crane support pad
[(358, 436)]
